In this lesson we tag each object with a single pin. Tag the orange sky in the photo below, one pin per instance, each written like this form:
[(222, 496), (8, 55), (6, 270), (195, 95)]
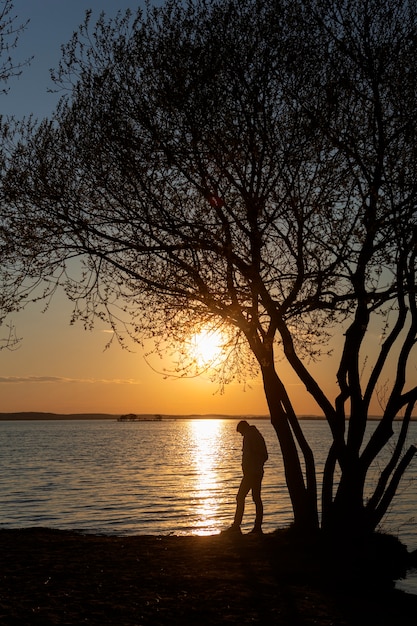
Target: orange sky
[(65, 369)]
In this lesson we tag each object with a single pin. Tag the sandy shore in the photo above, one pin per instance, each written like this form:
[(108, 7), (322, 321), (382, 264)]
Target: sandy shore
[(56, 577)]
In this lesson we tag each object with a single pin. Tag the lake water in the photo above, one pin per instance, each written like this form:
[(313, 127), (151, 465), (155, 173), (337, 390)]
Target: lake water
[(171, 477)]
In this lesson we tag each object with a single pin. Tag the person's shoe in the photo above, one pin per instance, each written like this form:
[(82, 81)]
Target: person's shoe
[(232, 530), (256, 531)]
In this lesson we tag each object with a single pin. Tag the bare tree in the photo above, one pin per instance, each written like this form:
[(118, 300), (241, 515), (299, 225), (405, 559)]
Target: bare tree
[(250, 164), (10, 30)]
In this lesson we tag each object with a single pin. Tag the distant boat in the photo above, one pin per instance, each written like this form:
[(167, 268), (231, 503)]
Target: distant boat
[(132, 417)]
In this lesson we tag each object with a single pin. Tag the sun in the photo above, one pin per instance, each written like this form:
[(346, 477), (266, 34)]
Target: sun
[(207, 348)]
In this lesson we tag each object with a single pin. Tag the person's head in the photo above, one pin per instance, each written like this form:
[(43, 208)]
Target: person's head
[(242, 427)]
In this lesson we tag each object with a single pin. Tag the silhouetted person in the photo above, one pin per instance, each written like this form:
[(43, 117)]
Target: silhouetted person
[(254, 455)]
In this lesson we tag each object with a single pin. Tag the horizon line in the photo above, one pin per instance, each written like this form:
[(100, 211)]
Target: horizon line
[(33, 415)]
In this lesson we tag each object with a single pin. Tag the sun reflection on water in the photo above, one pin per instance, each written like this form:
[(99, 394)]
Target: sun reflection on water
[(206, 439)]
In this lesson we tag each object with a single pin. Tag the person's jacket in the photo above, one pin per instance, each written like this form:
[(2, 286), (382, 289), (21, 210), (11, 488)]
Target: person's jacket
[(254, 452)]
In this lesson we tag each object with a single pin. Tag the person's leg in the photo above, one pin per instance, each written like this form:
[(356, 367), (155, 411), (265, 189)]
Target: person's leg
[(244, 488), (256, 496)]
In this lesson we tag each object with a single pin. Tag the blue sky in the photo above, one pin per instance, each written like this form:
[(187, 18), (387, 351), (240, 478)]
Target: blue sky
[(51, 24)]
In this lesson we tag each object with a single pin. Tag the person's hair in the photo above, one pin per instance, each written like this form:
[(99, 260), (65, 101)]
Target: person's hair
[(242, 426)]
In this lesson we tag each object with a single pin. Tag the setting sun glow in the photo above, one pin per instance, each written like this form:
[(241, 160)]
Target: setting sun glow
[(207, 347)]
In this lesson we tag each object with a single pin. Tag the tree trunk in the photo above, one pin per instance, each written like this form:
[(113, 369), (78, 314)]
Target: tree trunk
[(304, 501), (347, 515)]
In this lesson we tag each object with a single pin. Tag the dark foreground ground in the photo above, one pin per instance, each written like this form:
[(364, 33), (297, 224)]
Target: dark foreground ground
[(56, 577)]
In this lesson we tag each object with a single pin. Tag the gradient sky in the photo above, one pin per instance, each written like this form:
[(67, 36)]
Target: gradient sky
[(62, 368)]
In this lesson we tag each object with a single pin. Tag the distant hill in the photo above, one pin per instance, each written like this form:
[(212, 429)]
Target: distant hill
[(34, 415)]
